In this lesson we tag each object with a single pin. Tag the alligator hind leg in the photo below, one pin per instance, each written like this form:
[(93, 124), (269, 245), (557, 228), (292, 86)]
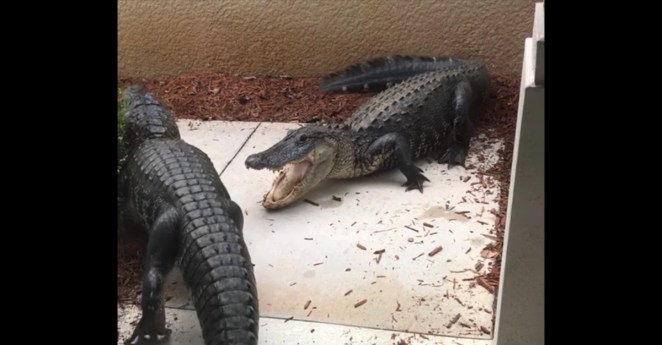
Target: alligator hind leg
[(395, 146), (160, 259), (456, 153)]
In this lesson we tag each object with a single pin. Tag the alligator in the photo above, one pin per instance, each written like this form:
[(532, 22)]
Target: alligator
[(171, 189), (424, 108)]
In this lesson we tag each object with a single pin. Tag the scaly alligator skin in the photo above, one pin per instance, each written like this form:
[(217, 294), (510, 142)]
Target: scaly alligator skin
[(426, 112), (172, 190)]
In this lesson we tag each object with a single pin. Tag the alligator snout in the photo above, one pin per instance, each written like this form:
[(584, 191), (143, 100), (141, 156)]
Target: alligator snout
[(254, 161)]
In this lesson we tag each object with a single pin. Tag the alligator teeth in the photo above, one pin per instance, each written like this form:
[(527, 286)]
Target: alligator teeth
[(288, 177)]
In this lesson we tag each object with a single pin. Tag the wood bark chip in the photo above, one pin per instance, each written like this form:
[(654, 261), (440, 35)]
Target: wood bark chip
[(410, 228), (360, 303), (478, 266), (457, 299), (311, 202), (306, 305), (435, 251), (484, 284), (453, 321)]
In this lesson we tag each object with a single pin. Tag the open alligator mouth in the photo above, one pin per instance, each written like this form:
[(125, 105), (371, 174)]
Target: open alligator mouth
[(288, 180)]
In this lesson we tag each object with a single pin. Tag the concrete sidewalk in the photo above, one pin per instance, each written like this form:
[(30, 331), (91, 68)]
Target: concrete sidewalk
[(309, 253)]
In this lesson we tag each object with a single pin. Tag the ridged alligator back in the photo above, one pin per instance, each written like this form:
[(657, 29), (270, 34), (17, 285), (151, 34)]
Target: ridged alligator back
[(165, 173), (377, 74), (146, 117), (419, 107), (423, 96)]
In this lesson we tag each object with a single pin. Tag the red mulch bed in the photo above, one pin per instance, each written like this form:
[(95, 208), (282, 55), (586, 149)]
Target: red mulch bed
[(217, 96)]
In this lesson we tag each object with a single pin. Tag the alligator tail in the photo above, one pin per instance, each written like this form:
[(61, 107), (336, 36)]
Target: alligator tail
[(377, 74), (217, 269)]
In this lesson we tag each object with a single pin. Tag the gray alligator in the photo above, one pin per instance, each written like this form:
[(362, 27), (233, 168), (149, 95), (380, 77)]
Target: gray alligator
[(171, 189), (425, 111)]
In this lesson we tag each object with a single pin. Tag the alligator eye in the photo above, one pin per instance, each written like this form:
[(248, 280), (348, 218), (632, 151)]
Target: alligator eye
[(303, 137)]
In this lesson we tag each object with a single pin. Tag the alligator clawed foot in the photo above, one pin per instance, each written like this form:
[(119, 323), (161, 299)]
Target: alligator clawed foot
[(453, 157), (148, 327), (415, 179)]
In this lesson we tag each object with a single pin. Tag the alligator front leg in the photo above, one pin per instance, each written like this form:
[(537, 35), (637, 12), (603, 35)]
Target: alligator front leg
[(460, 134), (394, 146), (160, 259)]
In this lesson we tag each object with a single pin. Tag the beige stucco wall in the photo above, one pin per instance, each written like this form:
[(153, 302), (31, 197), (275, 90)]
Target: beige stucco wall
[(158, 38)]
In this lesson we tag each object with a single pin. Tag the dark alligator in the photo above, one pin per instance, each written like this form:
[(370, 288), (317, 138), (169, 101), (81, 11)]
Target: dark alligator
[(171, 189), (426, 112)]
